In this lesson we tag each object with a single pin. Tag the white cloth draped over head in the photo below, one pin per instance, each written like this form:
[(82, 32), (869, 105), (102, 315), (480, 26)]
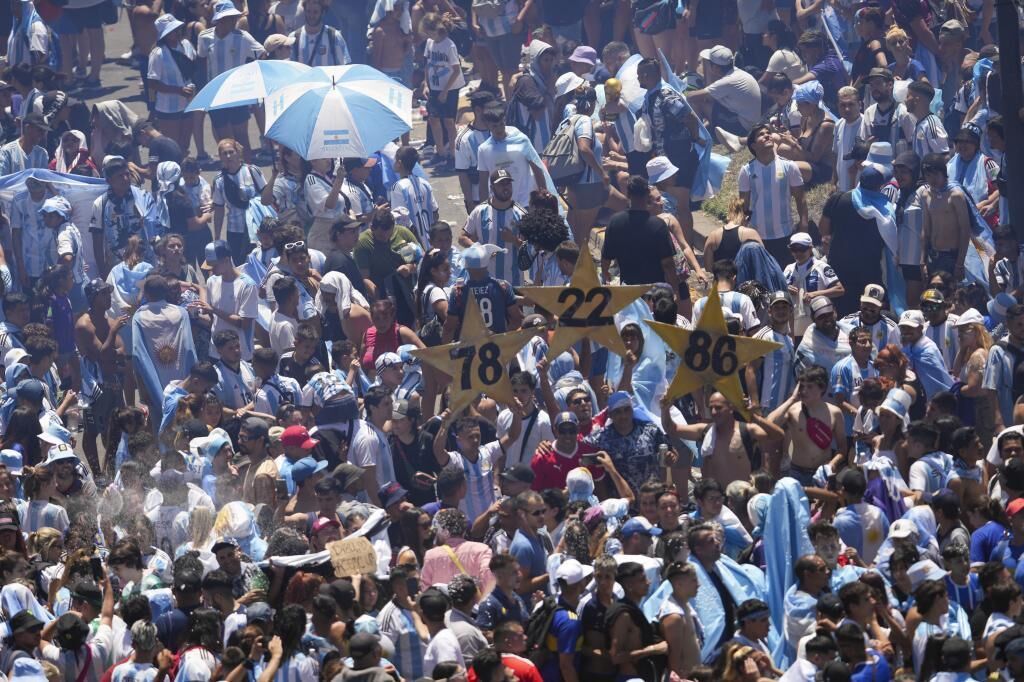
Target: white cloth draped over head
[(64, 164), (113, 124), (338, 285)]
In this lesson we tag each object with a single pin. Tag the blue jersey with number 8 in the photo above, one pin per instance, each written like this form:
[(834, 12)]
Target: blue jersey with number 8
[(494, 296)]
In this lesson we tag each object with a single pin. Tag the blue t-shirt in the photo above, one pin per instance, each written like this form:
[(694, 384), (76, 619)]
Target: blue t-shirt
[(967, 596), (499, 607), (876, 669), (984, 541), (529, 552), (564, 637)]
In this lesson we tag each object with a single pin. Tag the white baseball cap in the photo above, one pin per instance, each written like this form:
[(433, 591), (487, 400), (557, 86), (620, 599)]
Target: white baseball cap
[(573, 572), (874, 294), (970, 316), (719, 55), (912, 318), (660, 168), (903, 528), (800, 239)]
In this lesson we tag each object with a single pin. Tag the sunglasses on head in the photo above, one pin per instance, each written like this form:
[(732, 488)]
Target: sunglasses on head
[(294, 246)]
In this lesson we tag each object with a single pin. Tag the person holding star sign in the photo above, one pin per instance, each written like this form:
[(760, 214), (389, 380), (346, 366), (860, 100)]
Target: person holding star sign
[(585, 308), (710, 356), (478, 361)]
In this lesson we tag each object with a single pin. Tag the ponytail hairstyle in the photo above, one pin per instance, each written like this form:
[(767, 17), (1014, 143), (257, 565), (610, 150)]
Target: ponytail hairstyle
[(33, 479)]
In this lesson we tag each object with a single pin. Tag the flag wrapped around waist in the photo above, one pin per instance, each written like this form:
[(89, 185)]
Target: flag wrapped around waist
[(785, 541)]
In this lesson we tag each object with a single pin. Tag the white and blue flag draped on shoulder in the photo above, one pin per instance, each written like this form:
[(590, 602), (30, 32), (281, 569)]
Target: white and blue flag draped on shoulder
[(79, 190), (246, 84), (711, 167), (981, 248), (874, 205), (649, 373), (162, 346), (785, 541), (339, 111)]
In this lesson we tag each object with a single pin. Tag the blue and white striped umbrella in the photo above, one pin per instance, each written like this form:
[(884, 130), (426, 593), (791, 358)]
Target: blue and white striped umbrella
[(246, 84), (339, 111)]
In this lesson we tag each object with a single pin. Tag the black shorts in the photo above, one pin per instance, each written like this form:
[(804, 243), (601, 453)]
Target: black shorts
[(709, 21), (912, 273), (221, 118), (684, 157), (170, 115), (87, 17), (446, 109)]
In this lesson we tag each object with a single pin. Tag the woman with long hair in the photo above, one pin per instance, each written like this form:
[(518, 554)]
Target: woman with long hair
[(38, 512), (285, 191), (974, 408), (870, 25), (22, 435), (203, 639), (894, 372), (431, 294), (290, 625), (415, 531), (171, 250), (724, 242)]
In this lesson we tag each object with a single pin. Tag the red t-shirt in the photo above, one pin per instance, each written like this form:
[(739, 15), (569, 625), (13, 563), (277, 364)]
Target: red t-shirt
[(524, 670), (550, 470)]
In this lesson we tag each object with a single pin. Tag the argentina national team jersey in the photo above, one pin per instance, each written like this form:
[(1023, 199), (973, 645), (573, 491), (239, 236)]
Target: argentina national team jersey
[(222, 54), (945, 336), (235, 388), (883, 332), (770, 187), (42, 514), (485, 226), (777, 377), (398, 625), (326, 48), (479, 478), (275, 392)]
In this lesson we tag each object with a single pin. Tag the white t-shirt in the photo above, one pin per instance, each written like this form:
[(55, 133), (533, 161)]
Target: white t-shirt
[(494, 154), (282, 332), (787, 62), (517, 451), (443, 647), (737, 91), (239, 296), (369, 448), (442, 61)]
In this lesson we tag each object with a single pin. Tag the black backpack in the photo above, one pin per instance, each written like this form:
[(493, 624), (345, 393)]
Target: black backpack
[(537, 629)]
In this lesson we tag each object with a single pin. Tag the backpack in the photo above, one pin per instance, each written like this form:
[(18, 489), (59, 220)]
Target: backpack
[(537, 629), (489, 9), (431, 331), (562, 154)]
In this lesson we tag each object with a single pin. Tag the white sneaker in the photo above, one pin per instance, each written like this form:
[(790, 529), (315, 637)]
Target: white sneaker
[(733, 142)]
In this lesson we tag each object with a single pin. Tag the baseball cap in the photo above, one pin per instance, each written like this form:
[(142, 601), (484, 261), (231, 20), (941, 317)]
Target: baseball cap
[(324, 522), (660, 169), (35, 119), (638, 524), (58, 205), (298, 437), (23, 621), (969, 316), (584, 54), (565, 418), (873, 294), (880, 72), (820, 306), (391, 493), (385, 360), (478, 256), (953, 26), (95, 287), (256, 427), (912, 318), (718, 55), (348, 474), (1015, 506), (362, 644), (223, 543), (573, 572), (902, 528), (54, 433), (923, 570), (215, 251), (260, 612), (779, 296), (500, 175), (306, 468), (14, 356), (225, 9), (27, 669), (519, 473), (933, 296), (31, 390), (801, 239), (88, 591), (619, 399), (276, 40), (9, 521), (400, 409)]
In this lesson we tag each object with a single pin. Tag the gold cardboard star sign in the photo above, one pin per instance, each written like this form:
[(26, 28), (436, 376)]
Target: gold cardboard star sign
[(709, 355), (478, 361), (585, 308)]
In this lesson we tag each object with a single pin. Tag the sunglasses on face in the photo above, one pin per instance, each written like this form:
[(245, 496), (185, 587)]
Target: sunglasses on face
[(566, 430), (537, 512), (580, 401)]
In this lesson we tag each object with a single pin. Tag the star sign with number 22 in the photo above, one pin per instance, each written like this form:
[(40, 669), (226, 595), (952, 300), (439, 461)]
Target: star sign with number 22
[(478, 361), (585, 308), (709, 355)]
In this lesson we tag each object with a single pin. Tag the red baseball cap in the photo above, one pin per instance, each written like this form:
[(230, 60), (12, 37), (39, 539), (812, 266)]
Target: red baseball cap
[(1015, 506), (324, 522), (298, 436)]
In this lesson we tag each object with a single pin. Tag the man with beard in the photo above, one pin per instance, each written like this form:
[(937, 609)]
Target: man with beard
[(887, 120), (924, 356), (825, 343), (883, 330), (494, 221), (253, 439)]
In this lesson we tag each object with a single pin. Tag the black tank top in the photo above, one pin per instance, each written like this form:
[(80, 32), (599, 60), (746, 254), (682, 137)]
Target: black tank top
[(728, 245)]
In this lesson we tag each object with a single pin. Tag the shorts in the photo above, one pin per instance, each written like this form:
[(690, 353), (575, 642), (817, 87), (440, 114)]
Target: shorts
[(804, 476), (589, 195), (684, 157), (569, 33), (708, 21), (221, 118), (170, 115), (506, 50), (87, 17), (637, 163), (446, 109), (941, 260)]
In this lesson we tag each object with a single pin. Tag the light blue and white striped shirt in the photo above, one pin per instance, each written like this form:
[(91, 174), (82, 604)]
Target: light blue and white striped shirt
[(479, 479), (847, 377), (164, 69), (999, 378), (883, 332), (945, 336), (275, 392), (399, 626), (250, 183), (69, 241), (235, 388), (296, 668), (326, 48), (42, 514), (415, 194), (770, 188), (38, 242), (494, 27), (13, 158), (484, 225), (777, 375), (221, 54)]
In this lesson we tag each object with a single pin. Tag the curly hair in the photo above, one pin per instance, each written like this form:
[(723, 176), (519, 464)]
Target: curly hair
[(543, 229)]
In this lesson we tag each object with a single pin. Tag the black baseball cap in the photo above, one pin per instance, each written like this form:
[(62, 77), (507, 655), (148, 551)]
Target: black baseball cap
[(520, 473)]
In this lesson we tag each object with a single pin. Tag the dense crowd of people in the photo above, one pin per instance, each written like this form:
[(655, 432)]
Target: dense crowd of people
[(212, 378)]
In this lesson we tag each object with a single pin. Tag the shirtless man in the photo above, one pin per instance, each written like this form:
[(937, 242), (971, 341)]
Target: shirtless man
[(629, 628), (729, 448), (947, 224), (101, 347), (389, 46), (811, 425)]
